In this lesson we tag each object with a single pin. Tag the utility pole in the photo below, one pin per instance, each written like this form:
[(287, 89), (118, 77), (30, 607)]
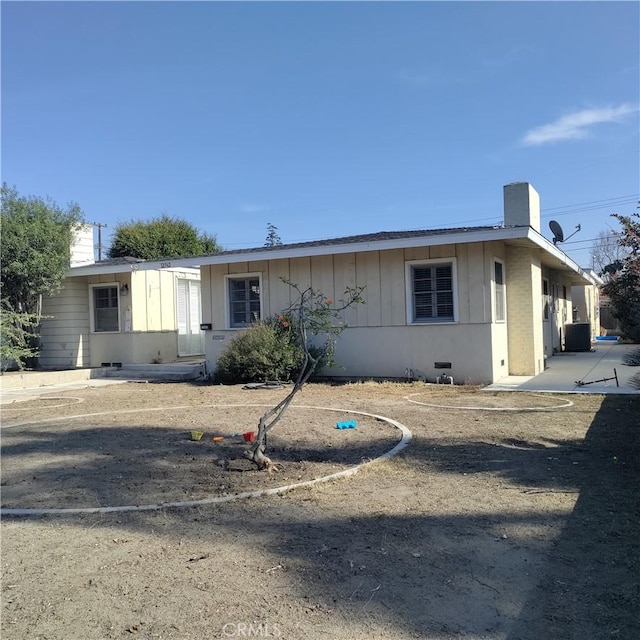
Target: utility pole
[(100, 225)]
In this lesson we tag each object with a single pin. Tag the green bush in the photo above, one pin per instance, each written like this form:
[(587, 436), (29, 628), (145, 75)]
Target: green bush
[(18, 343), (266, 351)]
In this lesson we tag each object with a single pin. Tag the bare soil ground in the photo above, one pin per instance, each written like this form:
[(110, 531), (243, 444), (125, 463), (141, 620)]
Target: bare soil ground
[(519, 524)]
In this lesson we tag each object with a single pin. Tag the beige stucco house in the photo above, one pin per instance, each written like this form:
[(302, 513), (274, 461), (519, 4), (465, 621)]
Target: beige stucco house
[(123, 311), (476, 303)]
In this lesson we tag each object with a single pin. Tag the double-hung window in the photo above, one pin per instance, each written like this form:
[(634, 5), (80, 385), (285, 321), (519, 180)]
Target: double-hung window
[(245, 305), (105, 309), (431, 291)]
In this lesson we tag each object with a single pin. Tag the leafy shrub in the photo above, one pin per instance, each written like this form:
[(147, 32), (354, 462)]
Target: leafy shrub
[(632, 359), (266, 351), (623, 287), (18, 344)]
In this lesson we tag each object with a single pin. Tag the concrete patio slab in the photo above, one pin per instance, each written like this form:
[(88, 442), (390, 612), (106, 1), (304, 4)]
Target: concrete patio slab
[(564, 371)]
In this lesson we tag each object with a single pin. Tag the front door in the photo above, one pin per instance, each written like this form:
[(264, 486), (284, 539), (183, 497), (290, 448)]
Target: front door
[(190, 337)]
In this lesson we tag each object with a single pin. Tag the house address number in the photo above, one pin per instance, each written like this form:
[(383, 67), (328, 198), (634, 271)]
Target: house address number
[(163, 265)]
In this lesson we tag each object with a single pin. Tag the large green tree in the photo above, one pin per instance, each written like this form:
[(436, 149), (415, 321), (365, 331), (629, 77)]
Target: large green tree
[(160, 238), (35, 249), (623, 287)]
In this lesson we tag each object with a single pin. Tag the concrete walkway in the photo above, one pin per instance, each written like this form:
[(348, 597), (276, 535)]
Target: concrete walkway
[(561, 375), (33, 384), (564, 370), (23, 385)]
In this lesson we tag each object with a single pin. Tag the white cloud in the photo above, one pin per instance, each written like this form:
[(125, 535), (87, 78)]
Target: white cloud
[(576, 125)]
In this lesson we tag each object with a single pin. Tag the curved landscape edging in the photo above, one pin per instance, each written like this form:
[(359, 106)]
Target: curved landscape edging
[(404, 441)]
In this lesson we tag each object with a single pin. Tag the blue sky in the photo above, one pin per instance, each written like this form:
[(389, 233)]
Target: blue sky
[(324, 118)]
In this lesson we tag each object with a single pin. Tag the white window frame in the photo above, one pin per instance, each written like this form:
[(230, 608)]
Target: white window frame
[(408, 279), (494, 290), (92, 308), (227, 298)]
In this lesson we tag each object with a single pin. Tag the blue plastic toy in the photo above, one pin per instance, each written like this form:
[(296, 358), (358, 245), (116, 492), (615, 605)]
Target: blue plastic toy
[(347, 424)]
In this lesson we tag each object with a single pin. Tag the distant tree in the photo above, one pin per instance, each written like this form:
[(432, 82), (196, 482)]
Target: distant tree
[(607, 251), (161, 238), (34, 253), (273, 239), (623, 287)]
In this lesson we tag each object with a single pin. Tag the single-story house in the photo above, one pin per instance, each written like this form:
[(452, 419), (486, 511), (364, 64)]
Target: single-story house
[(121, 311), (475, 303)]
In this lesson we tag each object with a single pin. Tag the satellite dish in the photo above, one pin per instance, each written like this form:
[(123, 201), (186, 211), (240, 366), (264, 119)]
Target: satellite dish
[(558, 233)]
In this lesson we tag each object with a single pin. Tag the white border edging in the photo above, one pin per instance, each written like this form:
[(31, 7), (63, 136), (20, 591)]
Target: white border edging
[(9, 405), (568, 403), (404, 441)]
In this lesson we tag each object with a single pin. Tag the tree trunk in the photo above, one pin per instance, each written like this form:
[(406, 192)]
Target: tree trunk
[(256, 453)]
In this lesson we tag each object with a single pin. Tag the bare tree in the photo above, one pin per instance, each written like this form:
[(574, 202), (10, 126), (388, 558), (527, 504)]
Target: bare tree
[(607, 251), (317, 325)]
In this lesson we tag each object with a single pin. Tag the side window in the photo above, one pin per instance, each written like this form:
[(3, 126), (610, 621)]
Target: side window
[(244, 301), (500, 309), (432, 292), (545, 299), (106, 315)]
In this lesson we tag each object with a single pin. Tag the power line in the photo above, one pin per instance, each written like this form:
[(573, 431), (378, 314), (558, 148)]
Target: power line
[(635, 196), (579, 207), (592, 208)]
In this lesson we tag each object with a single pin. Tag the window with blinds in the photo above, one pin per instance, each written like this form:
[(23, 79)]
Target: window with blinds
[(432, 293)]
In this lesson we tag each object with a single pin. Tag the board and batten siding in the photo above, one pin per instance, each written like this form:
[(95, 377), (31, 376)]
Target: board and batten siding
[(153, 300), (379, 341), (65, 328)]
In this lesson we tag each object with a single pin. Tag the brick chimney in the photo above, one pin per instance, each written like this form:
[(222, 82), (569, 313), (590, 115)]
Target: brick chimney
[(521, 206)]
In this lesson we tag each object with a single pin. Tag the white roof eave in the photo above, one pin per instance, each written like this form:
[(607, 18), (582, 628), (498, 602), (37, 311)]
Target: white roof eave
[(587, 275), (478, 235), (109, 269)]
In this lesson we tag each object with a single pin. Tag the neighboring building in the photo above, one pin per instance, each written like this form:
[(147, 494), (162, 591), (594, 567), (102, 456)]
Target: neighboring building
[(122, 311), (476, 303), (609, 324), (587, 305)]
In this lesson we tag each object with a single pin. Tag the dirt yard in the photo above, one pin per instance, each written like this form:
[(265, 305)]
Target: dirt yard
[(511, 516)]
